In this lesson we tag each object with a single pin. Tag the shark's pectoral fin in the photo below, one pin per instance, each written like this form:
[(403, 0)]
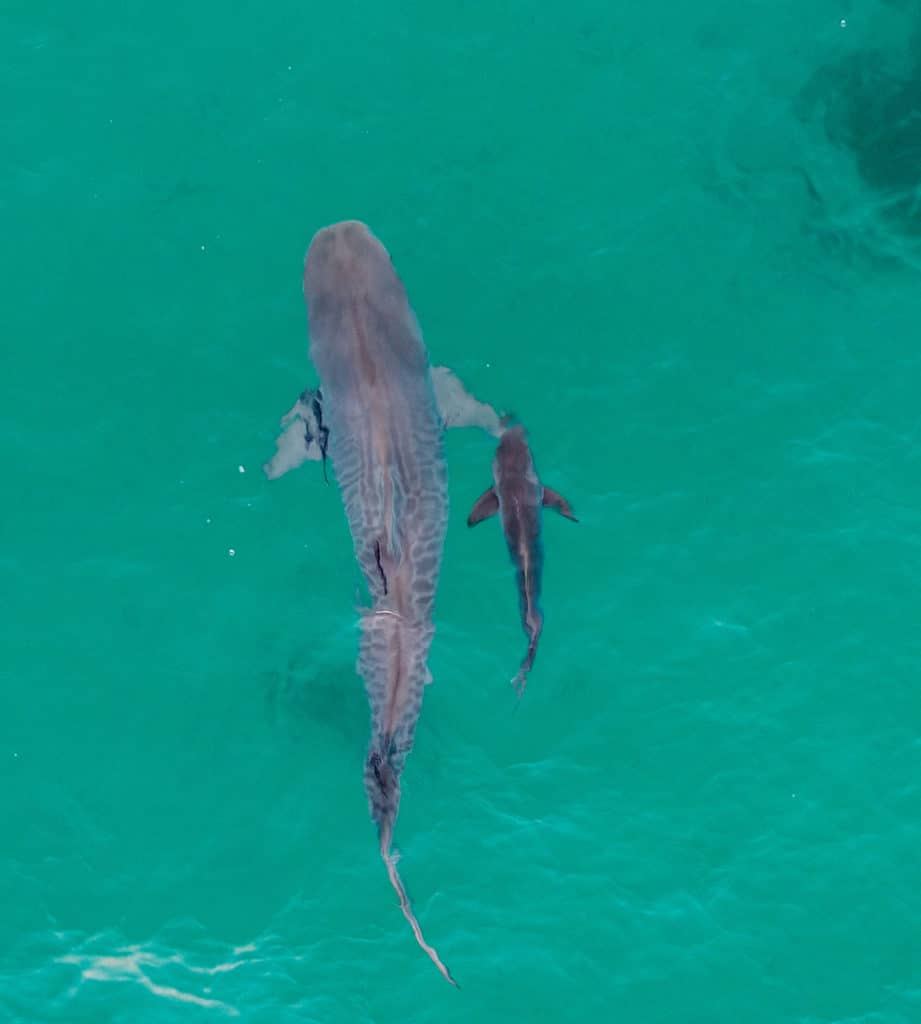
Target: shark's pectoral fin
[(304, 438), (552, 499), (458, 408), (486, 505), (293, 450)]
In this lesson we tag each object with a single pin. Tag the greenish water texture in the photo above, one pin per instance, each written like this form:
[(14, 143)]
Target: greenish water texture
[(681, 241)]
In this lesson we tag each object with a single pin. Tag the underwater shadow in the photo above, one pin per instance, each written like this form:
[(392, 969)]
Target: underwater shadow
[(868, 104), (308, 693)]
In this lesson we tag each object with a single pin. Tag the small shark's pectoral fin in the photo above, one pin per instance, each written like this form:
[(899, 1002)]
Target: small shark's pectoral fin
[(458, 408), (552, 499), (486, 505)]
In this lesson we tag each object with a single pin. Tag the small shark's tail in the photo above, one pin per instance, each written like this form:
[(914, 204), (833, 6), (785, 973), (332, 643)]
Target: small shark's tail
[(383, 788), (534, 624)]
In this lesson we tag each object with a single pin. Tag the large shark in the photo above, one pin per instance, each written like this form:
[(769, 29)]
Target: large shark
[(519, 497), (377, 416)]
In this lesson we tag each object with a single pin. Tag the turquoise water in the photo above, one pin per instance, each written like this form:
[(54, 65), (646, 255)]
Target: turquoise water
[(681, 242)]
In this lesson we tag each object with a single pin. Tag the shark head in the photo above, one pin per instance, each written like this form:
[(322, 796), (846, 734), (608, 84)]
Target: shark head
[(513, 456)]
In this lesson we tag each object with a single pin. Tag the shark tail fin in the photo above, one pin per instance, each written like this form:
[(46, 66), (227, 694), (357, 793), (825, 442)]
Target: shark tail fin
[(390, 861), (533, 627)]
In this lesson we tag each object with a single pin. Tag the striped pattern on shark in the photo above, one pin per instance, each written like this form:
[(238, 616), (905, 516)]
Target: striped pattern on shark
[(385, 439)]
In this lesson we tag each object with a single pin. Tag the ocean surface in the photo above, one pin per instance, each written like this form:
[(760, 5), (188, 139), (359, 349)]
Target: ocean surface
[(682, 242)]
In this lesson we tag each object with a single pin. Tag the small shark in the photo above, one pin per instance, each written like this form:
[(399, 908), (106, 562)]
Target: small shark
[(519, 497)]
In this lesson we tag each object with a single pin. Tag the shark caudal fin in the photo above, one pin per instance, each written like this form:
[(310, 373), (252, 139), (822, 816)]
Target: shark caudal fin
[(382, 784), (485, 506), (553, 499), (397, 883)]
